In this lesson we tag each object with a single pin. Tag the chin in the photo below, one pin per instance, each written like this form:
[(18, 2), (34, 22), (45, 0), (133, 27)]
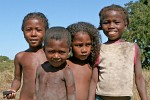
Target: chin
[(83, 58), (113, 39)]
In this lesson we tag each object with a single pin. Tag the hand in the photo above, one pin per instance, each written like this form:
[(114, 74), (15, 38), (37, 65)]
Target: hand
[(9, 94)]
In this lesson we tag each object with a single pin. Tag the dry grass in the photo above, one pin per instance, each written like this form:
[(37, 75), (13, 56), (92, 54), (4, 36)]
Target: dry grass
[(6, 73), (146, 74)]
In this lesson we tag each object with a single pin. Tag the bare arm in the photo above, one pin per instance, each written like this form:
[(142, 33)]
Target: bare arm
[(16, 83), (139, 79), (93, 84), (70, 84)]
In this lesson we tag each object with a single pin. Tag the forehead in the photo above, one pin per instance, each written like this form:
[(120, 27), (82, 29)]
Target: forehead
[(82, 36), (57, 43), (34, 21), (113, 14)]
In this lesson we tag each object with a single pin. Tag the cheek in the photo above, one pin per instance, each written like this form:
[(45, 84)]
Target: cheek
[(89, 50), (26, 35), (49, 57), (26, 38), (104, 27), (65, 57), (41, 35), (76, 51)]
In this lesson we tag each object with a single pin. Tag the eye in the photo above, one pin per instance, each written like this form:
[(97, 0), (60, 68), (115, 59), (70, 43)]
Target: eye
[(117, 22), (39, 29), (88, 44), (61, 52), (50, 51), (105, 22), (28, 29), (78, 45)]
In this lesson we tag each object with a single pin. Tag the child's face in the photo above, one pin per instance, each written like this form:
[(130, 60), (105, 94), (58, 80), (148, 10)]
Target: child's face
[(113, 24), (81, 45), (34, 32), (57, 51)]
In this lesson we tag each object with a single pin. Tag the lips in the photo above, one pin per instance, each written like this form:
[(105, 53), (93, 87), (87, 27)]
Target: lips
[(56, 60), (33, 40), (83, 57), (112, 33)]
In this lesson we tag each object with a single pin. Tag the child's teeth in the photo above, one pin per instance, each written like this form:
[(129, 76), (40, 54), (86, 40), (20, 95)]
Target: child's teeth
[(111, 32)]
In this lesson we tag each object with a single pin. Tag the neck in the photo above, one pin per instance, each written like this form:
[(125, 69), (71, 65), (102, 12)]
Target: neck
[(34, 49), (114, 41), (78, 61)]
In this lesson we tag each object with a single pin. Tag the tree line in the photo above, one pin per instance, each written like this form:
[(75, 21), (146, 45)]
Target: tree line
[(4, 59), (139, 28)]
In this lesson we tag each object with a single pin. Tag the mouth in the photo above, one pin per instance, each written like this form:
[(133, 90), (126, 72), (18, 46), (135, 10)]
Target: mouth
[(56, 60), (112, 33), (33, 40), (84, 56)]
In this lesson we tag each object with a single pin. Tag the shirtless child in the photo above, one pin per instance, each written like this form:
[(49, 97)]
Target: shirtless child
[(54, 79), (26, 62), (85, 48)]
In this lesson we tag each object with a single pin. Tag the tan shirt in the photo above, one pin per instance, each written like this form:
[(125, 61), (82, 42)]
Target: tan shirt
[(116, 69)]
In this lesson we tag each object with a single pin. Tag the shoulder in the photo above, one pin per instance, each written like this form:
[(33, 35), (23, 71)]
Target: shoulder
[(19, 55), (136, 47), (43, 67), (67, 70), (97, 60), (136, 50), (67, 73), (69, 62), (126, 44), (40, 50)]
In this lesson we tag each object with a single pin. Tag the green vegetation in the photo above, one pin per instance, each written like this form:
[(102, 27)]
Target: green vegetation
[(4, 59), (5, 63), (139, 28)]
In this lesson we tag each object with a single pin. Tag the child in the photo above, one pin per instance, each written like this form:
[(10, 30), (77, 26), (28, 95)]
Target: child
[(118, 60), (26, 62), (54, 80), (85, 48)]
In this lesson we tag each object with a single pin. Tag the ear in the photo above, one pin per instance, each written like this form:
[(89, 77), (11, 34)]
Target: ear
[(99, 28), (70, 52)]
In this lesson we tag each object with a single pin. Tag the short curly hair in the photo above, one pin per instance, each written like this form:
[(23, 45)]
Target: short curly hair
[(94, 35), (115, 8), (57, 33), (35, 15)]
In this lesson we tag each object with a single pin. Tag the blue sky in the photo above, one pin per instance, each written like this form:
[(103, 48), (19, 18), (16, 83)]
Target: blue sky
[(58, 12)]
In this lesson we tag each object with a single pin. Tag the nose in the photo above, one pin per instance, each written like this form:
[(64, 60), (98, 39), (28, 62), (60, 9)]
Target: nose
[(56, 56), (111, 25), (84, 50), (33, 33)]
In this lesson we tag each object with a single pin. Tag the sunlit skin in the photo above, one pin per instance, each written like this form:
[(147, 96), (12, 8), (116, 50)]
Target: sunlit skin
[(113, 25), (33, 32), (56, 52), (26, 62), (54, 78), (81, 47)]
